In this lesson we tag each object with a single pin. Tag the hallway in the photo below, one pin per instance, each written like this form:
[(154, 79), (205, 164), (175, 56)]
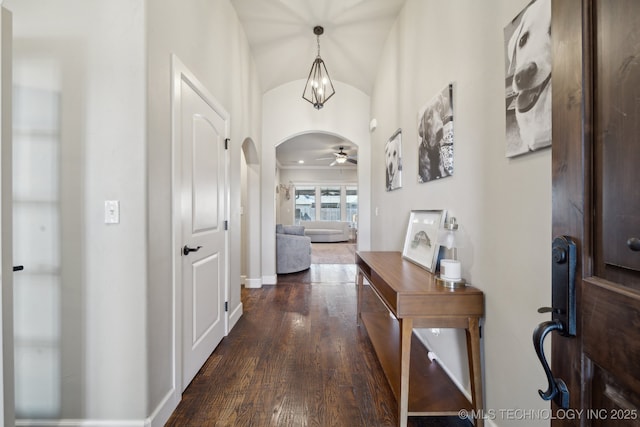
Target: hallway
[(296, 358), (333, 253)]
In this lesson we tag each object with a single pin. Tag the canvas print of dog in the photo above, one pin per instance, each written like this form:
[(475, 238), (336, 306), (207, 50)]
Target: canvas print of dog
[(528, 79), (393, 161), (435, 137)]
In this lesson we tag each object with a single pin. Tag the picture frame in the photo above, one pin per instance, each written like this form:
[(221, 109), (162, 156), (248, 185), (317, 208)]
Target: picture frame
[(528, 105), (421, 242), (393, 161), (435, 137)]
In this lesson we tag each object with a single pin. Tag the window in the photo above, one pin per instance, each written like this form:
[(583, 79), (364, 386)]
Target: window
[(352, 205), (330, 203), (337, 203), (305, 204)]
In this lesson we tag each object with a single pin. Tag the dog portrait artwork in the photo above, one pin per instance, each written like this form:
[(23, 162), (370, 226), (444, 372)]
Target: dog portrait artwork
[(393, 161), (435, 137), (528, 79)]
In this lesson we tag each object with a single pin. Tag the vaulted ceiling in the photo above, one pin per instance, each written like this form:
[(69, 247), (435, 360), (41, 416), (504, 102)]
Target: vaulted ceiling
[(280, 34)]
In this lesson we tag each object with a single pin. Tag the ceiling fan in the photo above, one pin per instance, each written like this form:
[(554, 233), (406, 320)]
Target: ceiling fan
[(341, 158)]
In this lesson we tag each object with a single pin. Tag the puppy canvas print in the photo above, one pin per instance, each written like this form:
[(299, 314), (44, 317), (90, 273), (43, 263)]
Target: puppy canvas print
[(393, 161), (528, 79), (435, 137)]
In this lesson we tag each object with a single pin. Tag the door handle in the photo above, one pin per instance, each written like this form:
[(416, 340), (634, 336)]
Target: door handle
[(563, 313), (557, 388), (187, 250), (18, 267)]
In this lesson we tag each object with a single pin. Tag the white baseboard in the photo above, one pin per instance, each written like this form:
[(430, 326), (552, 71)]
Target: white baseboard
[(165, 408), (463, 390), (252, 283), (235, 315), (80, 423), (488, 421), (157, 419), (269, 280)]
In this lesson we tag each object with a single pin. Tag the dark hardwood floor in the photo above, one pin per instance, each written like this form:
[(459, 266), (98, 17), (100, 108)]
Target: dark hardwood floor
[(296, 358)]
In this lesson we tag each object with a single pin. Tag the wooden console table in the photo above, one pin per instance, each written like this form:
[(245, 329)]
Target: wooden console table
[(413, 297)]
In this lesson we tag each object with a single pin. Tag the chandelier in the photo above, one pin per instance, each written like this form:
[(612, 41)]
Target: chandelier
[(319, 87)]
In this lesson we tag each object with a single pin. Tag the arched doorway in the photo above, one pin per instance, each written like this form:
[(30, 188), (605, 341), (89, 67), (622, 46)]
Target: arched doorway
[(250, 269)]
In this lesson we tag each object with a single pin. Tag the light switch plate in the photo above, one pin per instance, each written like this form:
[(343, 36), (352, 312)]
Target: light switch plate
[(111, 212)]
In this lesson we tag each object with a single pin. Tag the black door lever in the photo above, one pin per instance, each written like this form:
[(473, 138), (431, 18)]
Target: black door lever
[(187, 250), (563, 313), (548, 310)]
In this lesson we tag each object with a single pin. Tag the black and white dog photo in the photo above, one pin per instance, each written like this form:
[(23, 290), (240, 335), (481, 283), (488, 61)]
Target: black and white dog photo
[(393, 161), (528, 79), (435, 137)]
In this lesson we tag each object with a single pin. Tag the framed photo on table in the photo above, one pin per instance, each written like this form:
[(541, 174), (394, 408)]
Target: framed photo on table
[(421, 242)]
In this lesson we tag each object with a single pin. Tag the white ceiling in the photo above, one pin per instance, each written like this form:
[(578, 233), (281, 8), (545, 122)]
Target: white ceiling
[(280, 34), (315, 149)]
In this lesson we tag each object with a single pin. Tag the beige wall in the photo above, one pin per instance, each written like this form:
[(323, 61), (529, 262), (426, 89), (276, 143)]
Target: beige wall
[(504, 204)]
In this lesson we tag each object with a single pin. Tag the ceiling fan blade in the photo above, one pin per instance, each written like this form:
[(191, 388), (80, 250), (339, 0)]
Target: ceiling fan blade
[(354, 161), (333, 163)]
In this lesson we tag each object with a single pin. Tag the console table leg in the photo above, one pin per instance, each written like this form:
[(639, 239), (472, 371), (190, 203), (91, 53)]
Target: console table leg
[(475, 371), (359, 289), (406, 329)]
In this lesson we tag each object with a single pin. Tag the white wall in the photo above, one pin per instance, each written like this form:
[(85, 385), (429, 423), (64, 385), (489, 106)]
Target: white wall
[(504, 204), (207, 37), (330, 175), (110, 62), (286, 115), (91, 54)]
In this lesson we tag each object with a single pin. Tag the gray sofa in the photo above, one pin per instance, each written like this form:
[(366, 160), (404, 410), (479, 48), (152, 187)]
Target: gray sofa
[(326, 231), (293, 249)]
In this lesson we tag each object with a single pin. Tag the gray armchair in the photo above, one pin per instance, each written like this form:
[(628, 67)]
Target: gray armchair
[(293, 249)]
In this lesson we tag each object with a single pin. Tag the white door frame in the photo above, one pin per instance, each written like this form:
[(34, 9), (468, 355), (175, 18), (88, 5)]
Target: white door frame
[(7, 392), (180, 73)]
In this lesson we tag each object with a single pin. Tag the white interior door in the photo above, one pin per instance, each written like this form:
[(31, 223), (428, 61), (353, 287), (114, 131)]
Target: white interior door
[(37, 243), (6, 223), (203, 130)]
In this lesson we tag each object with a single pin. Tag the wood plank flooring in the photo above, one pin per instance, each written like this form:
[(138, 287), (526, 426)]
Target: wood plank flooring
[(296, 358)]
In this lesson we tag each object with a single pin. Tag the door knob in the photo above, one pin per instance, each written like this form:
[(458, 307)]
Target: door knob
[(187, 250), (634, 244)]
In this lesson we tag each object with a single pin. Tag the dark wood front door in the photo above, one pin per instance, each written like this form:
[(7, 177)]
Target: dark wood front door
[(596, 200)]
